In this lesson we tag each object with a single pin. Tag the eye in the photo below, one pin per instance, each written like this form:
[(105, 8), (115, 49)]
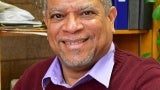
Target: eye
[(87, 13), (56, 16)]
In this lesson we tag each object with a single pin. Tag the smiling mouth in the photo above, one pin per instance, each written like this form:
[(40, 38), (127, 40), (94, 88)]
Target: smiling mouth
[(75, 43)]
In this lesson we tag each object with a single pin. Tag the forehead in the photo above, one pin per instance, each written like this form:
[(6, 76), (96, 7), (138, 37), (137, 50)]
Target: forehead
[(73, 3)]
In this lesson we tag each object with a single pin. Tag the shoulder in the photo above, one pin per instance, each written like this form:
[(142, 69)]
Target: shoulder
[(135, 72), (132, 65), (40, 67), (33, 75), (132, 60)]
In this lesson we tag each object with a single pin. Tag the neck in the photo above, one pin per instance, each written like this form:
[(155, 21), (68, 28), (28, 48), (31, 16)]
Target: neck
[(73, 74)]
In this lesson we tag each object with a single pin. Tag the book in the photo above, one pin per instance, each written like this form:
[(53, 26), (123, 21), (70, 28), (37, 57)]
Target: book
[(121, 21), (133, 14), (145, 20)]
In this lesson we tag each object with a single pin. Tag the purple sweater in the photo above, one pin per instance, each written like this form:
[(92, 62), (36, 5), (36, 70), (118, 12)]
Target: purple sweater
[(129, 73)]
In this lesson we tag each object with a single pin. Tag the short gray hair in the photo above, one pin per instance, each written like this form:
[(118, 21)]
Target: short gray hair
[(107, 4)]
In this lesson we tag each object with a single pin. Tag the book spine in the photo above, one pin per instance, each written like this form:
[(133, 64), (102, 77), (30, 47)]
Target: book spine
[(133, 14), (121, 21), (145, 20)]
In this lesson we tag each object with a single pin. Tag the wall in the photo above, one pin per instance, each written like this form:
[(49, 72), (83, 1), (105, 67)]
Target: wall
[(20, 52)]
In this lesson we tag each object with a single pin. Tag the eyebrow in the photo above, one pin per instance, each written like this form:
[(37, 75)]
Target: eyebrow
[(89, 7), (82, 7), (85, 6), (56, 9)]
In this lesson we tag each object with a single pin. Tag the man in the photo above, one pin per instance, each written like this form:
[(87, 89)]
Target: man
[(80, 32)]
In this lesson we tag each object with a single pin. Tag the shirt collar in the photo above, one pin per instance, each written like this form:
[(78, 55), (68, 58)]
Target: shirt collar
[(101, 71), (103, 68)]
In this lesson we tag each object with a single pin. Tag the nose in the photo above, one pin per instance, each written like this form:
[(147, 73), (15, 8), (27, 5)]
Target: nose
[(72, 24)]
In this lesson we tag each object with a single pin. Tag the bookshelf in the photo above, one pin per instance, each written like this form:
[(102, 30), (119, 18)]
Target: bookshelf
[(116, 32), (130, 31), (135, 41)]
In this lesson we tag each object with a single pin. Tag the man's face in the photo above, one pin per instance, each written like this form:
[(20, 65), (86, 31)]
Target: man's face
[(79, 31)]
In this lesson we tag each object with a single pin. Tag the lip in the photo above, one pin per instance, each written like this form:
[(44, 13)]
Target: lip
[(75, 44)]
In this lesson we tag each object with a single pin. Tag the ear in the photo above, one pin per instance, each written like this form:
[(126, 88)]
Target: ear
[(112, 16)]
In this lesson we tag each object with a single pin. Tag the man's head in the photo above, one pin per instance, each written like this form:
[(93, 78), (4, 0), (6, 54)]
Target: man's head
[(79, 31)]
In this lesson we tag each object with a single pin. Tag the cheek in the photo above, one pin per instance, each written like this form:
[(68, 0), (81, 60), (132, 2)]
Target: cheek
[(52, 30), (52, 35), (101, 30), (95, 28), (92, 26)]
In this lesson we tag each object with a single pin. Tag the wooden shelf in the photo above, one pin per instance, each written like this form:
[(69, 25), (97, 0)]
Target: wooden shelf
[(23, 32), (130, 31), (116, 32), (11, 34)]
